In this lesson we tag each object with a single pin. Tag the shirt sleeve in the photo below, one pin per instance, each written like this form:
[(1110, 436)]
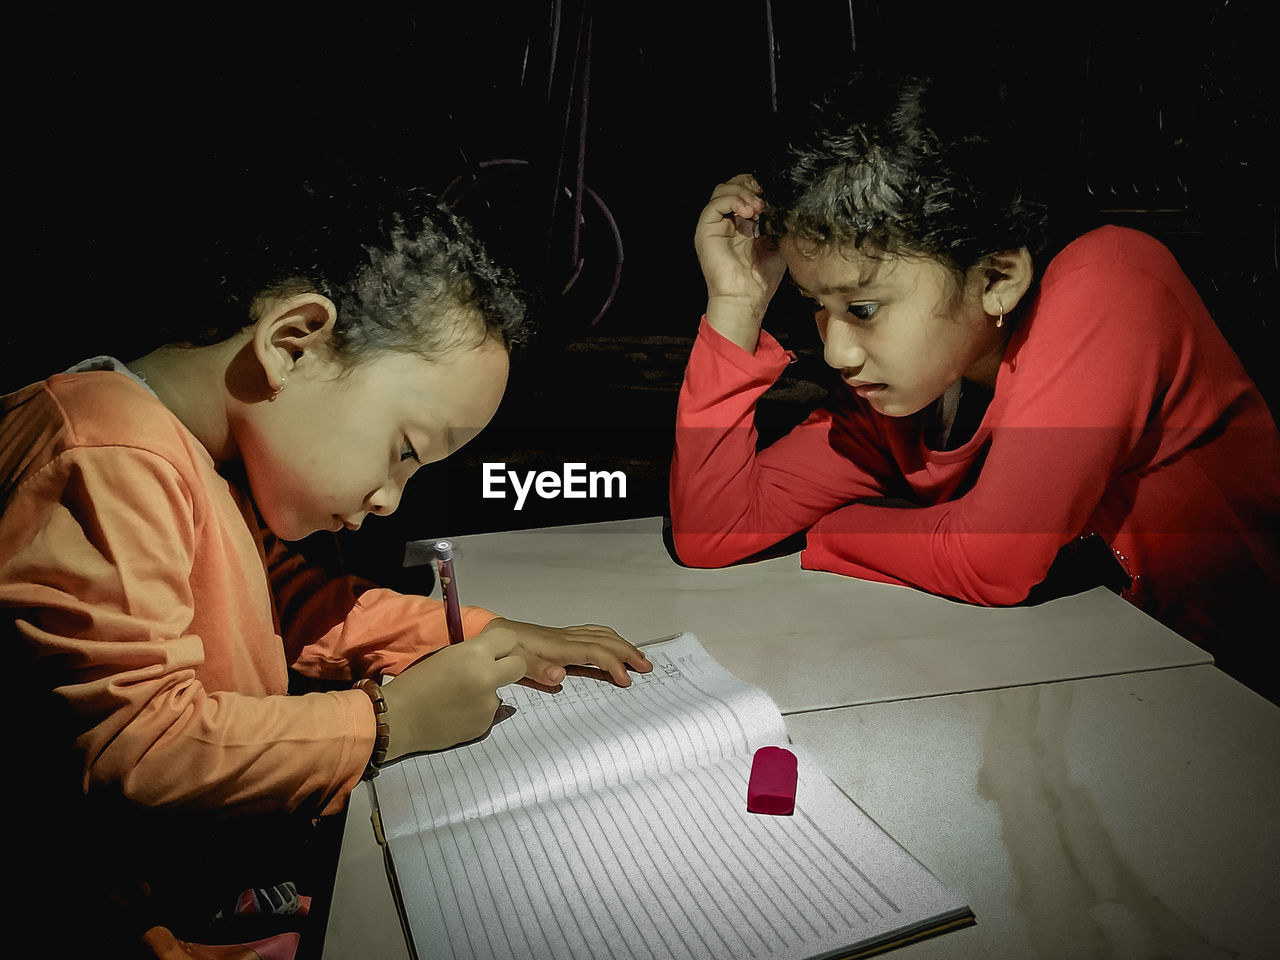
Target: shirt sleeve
[(97, 573), (1085, 380), (343, 628), (729, 501)]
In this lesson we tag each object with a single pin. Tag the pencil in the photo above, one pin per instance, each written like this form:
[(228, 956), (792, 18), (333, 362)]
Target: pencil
[(449, 587)]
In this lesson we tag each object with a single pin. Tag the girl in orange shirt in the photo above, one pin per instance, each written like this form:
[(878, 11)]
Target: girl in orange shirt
[(144, 558)]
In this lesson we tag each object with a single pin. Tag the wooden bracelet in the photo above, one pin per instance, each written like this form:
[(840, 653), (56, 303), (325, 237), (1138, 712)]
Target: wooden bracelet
[(382, 739)]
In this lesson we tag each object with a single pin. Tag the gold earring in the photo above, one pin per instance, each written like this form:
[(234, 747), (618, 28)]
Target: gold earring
[(275, 393), (1000, 319)]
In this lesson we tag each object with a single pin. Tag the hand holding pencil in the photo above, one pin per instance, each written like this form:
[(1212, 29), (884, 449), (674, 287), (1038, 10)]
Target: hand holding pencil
[(550, 653), (450, 696)]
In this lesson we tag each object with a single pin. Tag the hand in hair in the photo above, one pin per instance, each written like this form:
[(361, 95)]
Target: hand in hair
[(742, 270)]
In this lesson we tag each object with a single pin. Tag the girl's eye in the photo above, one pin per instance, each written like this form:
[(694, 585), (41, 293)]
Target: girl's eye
[(407, 452), (863, 311)]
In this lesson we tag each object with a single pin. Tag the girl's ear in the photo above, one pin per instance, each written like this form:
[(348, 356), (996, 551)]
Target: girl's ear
[(1006, 277), (291, 331)]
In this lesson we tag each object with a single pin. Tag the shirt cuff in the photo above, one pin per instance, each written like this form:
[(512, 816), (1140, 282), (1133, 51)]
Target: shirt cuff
[(770, 357)]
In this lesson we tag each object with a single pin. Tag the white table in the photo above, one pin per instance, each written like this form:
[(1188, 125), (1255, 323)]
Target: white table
[(363, 922), (1131, 816), (1079, 773), (811, 640)]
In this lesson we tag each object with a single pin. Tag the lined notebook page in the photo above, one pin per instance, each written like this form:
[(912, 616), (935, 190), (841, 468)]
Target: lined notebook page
[(607, 823), (665, 869), (591, 735)]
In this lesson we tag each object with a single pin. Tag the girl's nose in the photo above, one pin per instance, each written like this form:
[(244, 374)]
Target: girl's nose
[(841, 347), (385, 499)]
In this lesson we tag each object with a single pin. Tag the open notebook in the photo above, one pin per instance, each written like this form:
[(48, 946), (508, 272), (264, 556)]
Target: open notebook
[(611, 823)]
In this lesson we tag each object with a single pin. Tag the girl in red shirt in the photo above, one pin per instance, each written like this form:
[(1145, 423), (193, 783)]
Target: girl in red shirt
[(1002, 415)]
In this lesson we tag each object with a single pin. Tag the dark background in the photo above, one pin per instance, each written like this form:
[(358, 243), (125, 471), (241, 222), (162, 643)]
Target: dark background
[(131, 137)]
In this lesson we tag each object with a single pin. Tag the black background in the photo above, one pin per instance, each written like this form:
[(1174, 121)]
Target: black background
[(131, 136)]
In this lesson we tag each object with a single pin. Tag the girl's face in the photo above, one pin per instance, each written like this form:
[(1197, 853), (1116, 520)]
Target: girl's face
[(898, 330), (332, 449)]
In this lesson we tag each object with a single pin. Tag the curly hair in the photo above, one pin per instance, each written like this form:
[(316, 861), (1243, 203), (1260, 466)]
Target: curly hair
[(404, 272), (905, 164)]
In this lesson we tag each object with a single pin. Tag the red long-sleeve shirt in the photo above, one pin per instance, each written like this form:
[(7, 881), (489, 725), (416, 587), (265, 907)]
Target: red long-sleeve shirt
[(1119, 409)]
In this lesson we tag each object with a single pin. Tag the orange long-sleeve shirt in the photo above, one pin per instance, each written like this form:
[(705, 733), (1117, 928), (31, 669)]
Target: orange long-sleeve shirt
[(165, 618)]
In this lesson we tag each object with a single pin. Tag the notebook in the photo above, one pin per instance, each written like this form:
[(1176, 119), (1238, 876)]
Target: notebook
[(604, 822)]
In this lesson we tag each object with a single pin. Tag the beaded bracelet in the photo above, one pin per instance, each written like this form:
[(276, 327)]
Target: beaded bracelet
[(382, 738)]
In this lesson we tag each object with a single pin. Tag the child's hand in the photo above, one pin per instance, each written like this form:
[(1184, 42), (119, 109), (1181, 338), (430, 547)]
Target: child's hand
[(742, 272), (550, 653), (450, 697)]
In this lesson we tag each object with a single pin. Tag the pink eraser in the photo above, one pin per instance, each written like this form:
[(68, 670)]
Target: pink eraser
[(772, 787)]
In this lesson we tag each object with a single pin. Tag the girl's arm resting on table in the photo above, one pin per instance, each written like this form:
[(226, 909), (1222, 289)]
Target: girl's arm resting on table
[(1079, 405), (728, 501), (978, 548)]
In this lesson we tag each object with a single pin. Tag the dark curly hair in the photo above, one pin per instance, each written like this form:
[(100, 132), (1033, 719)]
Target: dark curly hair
[(908, 164), (404, 272)]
